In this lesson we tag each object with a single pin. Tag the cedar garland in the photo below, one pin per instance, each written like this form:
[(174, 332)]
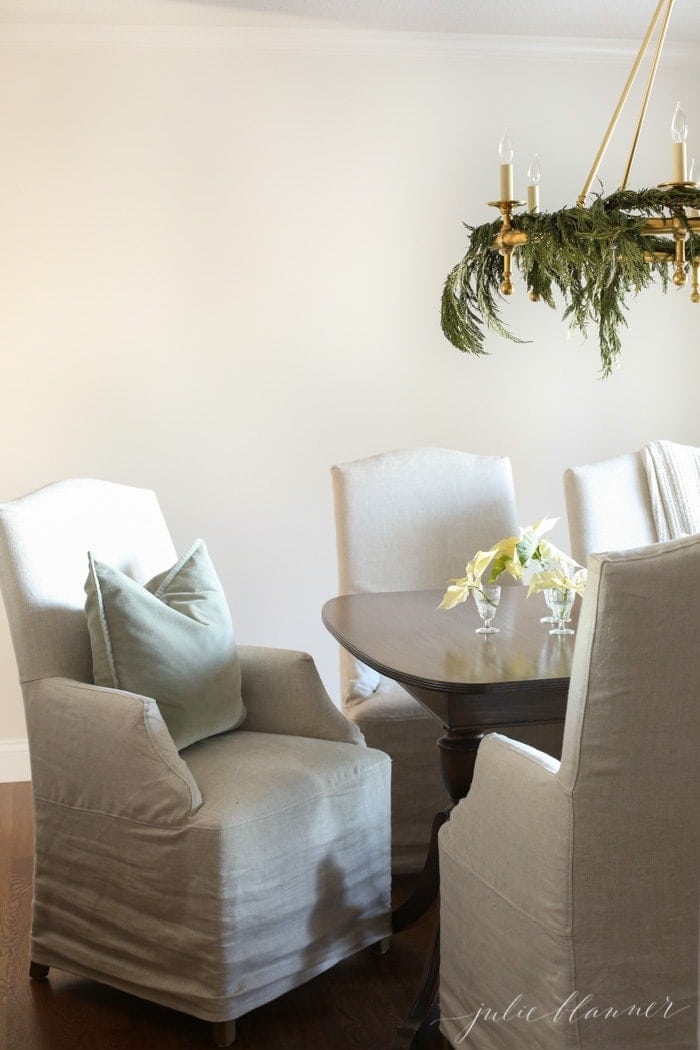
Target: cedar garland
[(593, 256)]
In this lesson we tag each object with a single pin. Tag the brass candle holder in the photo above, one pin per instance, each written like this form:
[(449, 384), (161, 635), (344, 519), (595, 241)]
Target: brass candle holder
[(507, 239), (678, 226)]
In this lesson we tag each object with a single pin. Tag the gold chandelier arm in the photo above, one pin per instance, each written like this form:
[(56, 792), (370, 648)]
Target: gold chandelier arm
[(623, 97), (647, 94)]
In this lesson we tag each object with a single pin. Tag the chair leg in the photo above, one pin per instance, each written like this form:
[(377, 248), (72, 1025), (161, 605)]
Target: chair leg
[(381, 947), (38, 972), (223, 1032)]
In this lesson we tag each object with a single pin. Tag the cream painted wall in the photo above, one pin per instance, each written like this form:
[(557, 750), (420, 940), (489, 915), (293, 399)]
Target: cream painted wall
[(221, 269)]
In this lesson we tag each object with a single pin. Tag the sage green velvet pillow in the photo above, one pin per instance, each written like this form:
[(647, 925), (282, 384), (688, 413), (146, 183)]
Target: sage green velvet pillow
[(170, 639)]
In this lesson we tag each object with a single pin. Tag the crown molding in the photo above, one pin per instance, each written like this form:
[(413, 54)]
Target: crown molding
[(331, 41)]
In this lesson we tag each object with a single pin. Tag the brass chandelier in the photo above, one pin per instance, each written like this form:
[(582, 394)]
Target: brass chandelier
[(596, 254)]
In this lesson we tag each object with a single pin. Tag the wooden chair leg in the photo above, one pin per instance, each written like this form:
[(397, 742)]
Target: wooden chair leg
[(223, 1032), (381, 947), (38, 972)]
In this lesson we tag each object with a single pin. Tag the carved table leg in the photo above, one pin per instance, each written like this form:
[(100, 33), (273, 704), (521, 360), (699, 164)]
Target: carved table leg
[(457, 758)]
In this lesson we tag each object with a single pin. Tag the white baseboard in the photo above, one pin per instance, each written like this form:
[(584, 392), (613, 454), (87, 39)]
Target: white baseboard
[(14, 761)]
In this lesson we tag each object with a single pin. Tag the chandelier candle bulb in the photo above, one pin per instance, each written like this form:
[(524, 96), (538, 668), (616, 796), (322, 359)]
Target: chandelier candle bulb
[(534, 174), (679, 135), (505, 154)]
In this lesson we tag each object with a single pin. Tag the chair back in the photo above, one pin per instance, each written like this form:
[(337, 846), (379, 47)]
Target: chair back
[(608, 506), (44, 540), (410, 520), (630, 763)]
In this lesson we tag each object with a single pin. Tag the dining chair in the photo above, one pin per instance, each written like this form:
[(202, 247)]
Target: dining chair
[(608, 506), (208, 876), (410, 520), (569, 890)]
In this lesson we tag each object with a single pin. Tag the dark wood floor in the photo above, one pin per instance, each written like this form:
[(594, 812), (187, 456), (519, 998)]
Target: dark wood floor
[(358, 1004)]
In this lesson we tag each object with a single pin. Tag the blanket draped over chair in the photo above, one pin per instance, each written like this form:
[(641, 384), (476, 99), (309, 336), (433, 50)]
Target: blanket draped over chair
[(673, 473)]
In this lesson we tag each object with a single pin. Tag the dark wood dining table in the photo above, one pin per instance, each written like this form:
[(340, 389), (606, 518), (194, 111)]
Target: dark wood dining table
[(514, 682)]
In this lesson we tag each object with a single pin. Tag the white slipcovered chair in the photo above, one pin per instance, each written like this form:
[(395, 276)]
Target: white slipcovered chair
[(569, 891), (209, 880), (635, 499), (608, 506), (410, 520)]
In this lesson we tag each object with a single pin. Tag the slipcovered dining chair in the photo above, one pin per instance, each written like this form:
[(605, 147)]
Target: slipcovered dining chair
[(569, 890), (608, 506), (410, 520), (639, 498), (207, 876)]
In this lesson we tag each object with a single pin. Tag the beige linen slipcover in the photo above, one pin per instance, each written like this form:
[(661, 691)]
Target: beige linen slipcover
[(210, 880), (410, 519), (634, 499), (569, 891), (608, 506)]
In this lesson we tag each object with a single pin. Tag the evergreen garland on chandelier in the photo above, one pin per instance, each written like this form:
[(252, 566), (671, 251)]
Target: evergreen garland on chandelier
[(596, 257)]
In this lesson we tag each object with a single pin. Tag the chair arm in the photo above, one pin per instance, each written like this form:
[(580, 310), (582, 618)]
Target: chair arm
[(283, 693), (106, 751), (513, 830)]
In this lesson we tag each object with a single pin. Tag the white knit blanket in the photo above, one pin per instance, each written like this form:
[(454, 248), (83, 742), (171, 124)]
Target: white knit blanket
[(673, 472)]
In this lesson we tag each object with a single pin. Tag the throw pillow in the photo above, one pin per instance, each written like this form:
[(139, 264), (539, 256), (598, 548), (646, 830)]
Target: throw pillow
[(170, 639)]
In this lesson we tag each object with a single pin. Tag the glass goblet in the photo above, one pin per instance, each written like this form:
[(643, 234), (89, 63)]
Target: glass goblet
[(550, 600), (544, 565), (561, 603), (487, 599)]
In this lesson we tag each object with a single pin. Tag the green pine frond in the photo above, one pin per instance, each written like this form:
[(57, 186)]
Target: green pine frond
[(596, 258)]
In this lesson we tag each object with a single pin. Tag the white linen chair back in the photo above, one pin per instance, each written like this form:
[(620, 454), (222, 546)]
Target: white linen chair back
[(411, 519), (44, 540), (608, 506)]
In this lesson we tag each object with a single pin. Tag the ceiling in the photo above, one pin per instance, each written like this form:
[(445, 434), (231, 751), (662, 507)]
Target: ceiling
[(623, 19)]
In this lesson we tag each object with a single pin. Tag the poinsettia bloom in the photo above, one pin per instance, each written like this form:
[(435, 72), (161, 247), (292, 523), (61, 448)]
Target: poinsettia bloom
[(459, 590), (514, 555), (558, 580)]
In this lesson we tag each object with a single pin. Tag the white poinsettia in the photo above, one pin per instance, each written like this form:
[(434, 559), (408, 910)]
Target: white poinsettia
[(514, 555), (559, 579), (459, 590), (548, 553)]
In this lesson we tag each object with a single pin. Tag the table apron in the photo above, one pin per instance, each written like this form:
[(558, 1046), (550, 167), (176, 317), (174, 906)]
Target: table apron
[(493, 708)]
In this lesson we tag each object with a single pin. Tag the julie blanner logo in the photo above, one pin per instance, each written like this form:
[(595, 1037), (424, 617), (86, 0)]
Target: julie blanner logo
[(575, 1008)]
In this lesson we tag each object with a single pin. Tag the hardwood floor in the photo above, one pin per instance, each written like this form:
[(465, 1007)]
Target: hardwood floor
[(355, 1006)]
